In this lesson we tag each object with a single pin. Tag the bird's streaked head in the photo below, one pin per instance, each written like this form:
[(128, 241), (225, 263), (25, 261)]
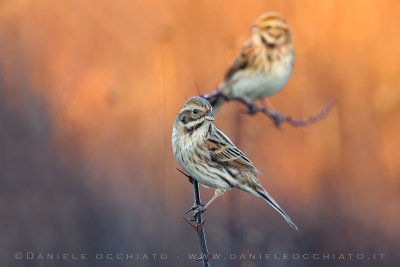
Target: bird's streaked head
[(196, 113), (273, 30)]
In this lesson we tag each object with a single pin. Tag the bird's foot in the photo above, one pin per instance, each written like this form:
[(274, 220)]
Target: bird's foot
[(252, 108), (277, 118), (197, 209)]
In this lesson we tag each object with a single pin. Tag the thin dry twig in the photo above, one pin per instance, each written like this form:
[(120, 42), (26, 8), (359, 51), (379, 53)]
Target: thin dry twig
[(277, 117), (199, 227)]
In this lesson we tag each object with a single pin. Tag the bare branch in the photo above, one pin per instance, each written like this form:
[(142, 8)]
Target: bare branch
[(278, 118), (199, 227)]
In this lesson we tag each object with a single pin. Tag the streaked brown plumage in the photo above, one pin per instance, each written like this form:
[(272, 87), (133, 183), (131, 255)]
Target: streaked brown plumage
[(210, 158), (264, 63)]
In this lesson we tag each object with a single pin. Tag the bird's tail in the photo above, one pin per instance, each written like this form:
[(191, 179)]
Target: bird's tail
[(262, 193)]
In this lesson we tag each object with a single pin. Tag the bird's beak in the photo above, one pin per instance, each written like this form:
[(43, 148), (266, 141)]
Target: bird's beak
[(253, 27), (210, 116)]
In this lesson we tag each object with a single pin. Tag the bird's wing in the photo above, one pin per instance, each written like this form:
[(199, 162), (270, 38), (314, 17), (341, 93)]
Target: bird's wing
[(226, 153), (240, 62)]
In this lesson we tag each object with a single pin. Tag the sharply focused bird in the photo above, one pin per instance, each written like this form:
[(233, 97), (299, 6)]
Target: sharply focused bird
[(264, 64), (209, 157)]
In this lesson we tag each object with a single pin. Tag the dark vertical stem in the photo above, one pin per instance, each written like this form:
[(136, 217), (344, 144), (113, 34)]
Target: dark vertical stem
[(200, 226)]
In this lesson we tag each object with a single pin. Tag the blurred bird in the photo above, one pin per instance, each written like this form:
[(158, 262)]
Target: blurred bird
[(264, 64), (210, 158)]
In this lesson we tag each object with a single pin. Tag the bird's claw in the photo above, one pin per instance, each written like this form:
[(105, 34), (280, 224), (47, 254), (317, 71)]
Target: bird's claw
[(196, 209), (252, 109), (278, 118), (199, 209)]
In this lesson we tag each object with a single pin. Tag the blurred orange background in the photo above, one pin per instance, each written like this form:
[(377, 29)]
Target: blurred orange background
[(89, 91)]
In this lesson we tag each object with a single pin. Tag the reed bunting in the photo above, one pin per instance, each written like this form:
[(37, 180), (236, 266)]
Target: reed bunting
[(210, 158), (264, 64)]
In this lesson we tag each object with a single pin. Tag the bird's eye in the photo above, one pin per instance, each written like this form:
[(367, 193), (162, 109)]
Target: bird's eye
[(268, 27), (195, 111)]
